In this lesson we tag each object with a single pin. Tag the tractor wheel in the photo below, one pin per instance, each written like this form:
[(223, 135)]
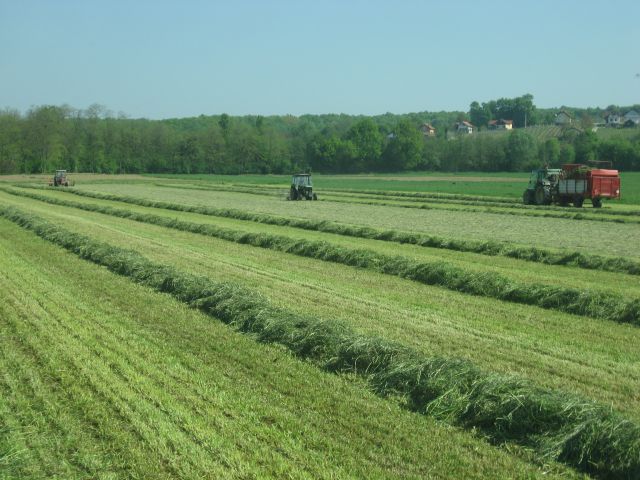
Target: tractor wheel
[(526, 197), (596, 202), (542, 196), (578, 201), (563, 201), (315, 197)]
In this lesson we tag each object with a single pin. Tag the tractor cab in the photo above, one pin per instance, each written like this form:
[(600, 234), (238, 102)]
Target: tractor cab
[(543, 176), (301, 187), (59, 179), (542, 181)]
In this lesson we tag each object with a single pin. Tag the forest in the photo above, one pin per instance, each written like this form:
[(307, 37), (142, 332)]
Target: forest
[(50, 137)]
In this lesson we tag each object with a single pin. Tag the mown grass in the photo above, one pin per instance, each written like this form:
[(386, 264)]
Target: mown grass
[(494, 184), (484, 283), (532, 254), (596, 358), (103, 378), (480, 204), (584, 236), (585, 435)]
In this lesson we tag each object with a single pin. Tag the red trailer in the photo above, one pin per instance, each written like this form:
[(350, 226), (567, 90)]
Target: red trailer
[(578, 182)]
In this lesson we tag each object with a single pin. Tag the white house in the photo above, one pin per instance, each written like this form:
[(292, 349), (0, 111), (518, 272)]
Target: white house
[(428, 130), (631, 116), (464, 127), (614, 120), (501, 124)]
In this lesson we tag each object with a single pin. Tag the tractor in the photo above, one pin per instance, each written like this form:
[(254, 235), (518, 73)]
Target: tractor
[(542, 184), (573, 183), (301, 188), (60, 179)]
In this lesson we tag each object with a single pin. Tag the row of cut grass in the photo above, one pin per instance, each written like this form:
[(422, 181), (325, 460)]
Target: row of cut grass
[(479, 201), (490, 248), (556, 234), (534, 213), (580, 433), (93, 388), (489, 284), (596, 358), (424, 204)]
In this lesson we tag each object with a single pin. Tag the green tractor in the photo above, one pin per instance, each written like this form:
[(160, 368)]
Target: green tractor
[(60, 179), (542, 184), (301, 188)]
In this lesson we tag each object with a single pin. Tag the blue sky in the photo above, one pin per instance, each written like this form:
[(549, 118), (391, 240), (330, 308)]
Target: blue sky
[(160, 59)]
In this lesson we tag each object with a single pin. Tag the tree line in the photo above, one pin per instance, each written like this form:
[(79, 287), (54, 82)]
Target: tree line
[(46, 138)]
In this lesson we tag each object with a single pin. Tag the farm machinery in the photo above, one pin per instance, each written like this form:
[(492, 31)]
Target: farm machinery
[(60, 179), (573, 183), (301, 188)]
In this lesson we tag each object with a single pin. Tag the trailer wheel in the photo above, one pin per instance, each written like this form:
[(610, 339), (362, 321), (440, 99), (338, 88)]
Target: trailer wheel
[(596, 202), (578, 201)]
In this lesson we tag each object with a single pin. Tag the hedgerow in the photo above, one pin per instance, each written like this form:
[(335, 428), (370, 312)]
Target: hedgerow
[(487, 284), (531, 254), (557, 426)]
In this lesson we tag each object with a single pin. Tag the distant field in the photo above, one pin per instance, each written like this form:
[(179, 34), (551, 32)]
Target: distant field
[(192, 397), (502, 184)]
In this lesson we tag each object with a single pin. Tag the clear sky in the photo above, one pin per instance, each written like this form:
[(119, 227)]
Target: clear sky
[(160, 59)]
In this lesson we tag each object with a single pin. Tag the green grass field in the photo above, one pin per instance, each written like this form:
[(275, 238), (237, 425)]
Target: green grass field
[(507, 184), (106, 378)]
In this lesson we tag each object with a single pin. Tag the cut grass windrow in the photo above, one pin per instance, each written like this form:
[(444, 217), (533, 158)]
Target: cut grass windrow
[(490, 209), (489, 248), (556, 426), (487, 284), (480, 206), (410, 197)]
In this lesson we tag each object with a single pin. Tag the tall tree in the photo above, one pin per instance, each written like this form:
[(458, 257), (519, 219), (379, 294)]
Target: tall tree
[(479, 114), (404, 149), (368, 143)]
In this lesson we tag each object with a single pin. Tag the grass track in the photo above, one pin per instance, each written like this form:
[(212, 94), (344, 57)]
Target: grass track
[(597, 359), (94, 389)]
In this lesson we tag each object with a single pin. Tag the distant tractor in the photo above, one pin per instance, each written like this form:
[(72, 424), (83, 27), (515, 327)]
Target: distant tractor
[(573, 183), (60, 179), (301, 188)]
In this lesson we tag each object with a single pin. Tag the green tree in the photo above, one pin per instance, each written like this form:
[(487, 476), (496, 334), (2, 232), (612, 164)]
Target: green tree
[(368, 143), (550, 151), (404, 149), (10, 142), (479, 114), (567, 153), (521, 152), (586, 147), (43, 136)]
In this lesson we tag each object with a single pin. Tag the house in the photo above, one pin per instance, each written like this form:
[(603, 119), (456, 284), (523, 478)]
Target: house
[(501, 124), (464, 127), (428, 130), (632, 116), (563, 118), (614, 120)]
